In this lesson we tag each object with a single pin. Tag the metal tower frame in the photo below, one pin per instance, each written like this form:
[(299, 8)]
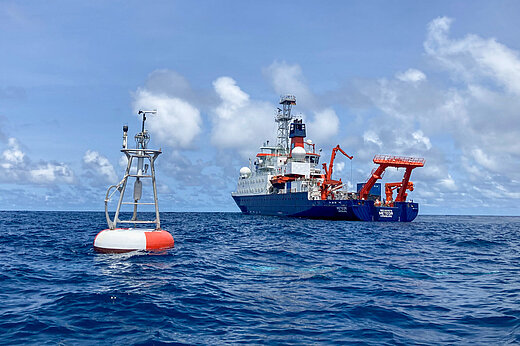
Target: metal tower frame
[(283, 118), (140, 153)]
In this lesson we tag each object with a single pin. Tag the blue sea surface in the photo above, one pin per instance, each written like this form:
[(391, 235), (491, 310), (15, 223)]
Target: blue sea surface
[(233, 279)]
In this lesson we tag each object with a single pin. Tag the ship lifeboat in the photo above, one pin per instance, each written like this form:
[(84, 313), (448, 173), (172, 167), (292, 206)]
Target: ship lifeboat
[(281, 179), (121, 240)]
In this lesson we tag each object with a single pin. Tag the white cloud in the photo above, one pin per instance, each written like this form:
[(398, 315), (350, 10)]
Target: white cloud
[(484, 160), (177, 122), (473, 57), (339, 166), (417, 140), (231, 95), (324, 125), (411, 75), (371, 137), (484, 114), (13, 155), (51, 173), (448, 183), (122, 162), (468, 126), (288, 79), (100, 166), (18, 168), (239, 122)]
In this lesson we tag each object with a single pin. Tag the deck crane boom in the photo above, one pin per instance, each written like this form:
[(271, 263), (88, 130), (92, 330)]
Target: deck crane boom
[(384, 161), (328, 183)]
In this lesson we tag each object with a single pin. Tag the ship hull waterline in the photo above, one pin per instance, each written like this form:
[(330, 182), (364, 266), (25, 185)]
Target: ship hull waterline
[(298, 205)]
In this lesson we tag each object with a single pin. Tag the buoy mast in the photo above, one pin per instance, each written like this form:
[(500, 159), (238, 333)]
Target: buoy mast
[(128, 239), (141, 153)]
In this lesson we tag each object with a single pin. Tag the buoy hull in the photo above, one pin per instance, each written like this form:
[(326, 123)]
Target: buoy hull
[(121, 240)]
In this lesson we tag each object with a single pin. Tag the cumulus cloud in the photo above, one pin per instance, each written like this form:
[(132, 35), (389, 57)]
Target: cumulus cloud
[(288, 79), (239, 122), (99, 167), (467, 128), (448, 183), (416, 140), (487, 127), (324, 125), (371, 136), (18, 168), (473, 57), (47, 173), (339, 166), (13, 155), (122, 162), (411, 75), (177, 122)]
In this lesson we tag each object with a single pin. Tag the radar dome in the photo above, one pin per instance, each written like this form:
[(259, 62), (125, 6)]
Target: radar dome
[(298, 153), (309, 142), (245, 172)]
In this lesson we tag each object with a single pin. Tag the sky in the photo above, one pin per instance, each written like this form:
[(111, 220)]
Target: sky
[(432, 79)]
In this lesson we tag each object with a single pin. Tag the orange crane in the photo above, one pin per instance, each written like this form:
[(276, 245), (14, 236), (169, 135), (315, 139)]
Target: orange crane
[(328, 183), (384, 161), (389, 191)]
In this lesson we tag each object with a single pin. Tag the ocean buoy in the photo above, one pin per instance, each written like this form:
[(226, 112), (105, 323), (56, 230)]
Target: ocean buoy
[(130, 239), (116, 239)]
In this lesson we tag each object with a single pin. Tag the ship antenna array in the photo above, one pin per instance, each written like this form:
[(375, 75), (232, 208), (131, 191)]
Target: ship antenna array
[(283, 118)]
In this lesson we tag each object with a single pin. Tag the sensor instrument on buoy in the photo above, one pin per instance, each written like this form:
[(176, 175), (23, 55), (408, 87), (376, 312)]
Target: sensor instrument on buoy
[(117, 240)]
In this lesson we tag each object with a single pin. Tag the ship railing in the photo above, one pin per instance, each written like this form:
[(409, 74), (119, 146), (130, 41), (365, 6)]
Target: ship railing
[(399, 160)]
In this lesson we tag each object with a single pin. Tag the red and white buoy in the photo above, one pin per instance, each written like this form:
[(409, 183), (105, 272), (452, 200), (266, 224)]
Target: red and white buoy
[(130, 239), (117, 240)]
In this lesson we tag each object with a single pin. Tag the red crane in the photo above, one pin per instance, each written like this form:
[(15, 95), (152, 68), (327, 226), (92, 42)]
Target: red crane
[(384, 161), (328, 182), (389, 191)]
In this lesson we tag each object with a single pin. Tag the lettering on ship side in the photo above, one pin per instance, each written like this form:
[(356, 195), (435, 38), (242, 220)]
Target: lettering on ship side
[(342, 209), (386, 213)]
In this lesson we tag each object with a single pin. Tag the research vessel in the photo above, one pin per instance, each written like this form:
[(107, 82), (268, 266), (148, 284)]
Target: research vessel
[(286, 180)]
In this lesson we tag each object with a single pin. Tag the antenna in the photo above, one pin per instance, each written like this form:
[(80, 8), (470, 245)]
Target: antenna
[(144, 115), (142, 138)]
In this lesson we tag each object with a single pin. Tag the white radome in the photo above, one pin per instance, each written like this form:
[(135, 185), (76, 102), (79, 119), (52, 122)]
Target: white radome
[(309, 142), (245, 172), (298, 153)]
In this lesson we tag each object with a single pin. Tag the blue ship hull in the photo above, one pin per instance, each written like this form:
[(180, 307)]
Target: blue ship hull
[(298, 205)]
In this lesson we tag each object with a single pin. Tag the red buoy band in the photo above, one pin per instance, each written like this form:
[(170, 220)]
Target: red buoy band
[(130, 239)]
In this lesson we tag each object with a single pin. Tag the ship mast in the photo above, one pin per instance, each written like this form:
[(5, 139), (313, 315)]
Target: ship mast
[(283, 118)]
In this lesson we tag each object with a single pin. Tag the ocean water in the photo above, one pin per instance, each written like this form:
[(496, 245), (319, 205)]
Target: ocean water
[(237, 279)]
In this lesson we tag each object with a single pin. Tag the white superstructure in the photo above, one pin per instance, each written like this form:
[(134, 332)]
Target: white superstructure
[(289, 166)]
